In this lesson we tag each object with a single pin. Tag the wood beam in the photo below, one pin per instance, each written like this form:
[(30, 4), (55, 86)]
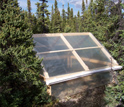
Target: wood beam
[(75, 53)]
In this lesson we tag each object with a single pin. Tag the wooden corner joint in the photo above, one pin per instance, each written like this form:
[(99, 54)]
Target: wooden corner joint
[(48, 86), (49, 89), (42, 77)]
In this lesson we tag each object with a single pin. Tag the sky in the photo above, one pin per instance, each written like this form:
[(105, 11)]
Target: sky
[(75, 4)]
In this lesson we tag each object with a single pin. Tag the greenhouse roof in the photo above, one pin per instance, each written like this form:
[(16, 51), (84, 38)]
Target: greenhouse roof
[(69, 56)]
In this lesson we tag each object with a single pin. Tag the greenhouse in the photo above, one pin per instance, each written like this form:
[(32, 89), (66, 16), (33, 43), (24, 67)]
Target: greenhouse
[(73, 62)]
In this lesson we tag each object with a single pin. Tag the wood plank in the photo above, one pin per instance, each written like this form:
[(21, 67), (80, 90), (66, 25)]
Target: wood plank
[(46, 35), (74, 53), (58, 34), (76, 34), (69, 50), (88, 48), (72, 74), (67, 77), (40, 53), (96, 61), (49, 89), (46, 74), (69, 59)]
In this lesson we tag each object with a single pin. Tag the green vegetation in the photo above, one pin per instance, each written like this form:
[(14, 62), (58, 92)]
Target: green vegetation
[(106, 22), (20, 85), (19, 68)]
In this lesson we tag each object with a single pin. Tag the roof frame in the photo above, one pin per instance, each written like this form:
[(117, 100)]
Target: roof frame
[(74, 53), (65, 77)]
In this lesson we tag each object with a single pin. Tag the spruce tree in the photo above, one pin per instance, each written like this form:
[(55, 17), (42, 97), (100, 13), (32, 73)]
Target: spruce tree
[(29, 9), (56, 18), (72, 21), (83, 6), (63, 19), (106, 22), (39, 24), (68, 27), (20, 84), (52, 20), (34, 24), (68, 11), (68, 14), (78, 22), (38, 10), (44, 15), (115, 93)]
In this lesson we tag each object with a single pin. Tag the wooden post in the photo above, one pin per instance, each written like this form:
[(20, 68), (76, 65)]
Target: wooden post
[(49, 89)]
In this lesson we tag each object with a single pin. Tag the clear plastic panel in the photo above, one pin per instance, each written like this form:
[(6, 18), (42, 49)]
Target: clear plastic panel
[(81, 41), (94, 58), (69, 88), (61, 63), (44, 44)]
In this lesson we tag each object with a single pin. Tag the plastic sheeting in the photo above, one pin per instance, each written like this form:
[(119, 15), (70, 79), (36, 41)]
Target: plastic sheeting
[(72, 87), (61, 63), (80, 41), (44, 44), (94, 58)]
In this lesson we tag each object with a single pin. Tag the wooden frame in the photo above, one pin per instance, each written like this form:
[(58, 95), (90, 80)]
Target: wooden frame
[(74, 53), (39, 53), (67, 77), (73, 50)]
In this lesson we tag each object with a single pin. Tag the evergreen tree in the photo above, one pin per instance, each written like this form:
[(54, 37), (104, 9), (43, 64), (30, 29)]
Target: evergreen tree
[(29, 9), (78, 22), (115, 93), (71, 13), (68, 12), (106, 22), (20, 84), (56, 18), (34, 24), (68, 21), (63, 19), (72, 21), (44, 11), (39, 24), (83, 6), (43, 17), (52, 20), (38, 10)]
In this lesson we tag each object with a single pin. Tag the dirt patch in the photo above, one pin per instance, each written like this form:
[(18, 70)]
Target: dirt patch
[(90, 98)]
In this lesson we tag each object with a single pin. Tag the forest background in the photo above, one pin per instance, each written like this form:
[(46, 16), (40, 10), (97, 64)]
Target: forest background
[(103, 18)]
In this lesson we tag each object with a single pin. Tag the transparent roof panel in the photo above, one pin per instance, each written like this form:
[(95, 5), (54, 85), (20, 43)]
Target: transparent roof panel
[(44, 44), (94, 58), (61, 56), (61, 63), (80, 41)]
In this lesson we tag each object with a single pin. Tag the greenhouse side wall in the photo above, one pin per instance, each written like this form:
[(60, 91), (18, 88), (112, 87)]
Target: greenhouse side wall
[(72, 87)]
